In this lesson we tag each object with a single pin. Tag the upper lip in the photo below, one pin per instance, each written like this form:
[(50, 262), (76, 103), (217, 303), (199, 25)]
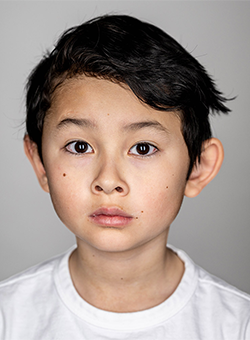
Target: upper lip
[(113, 211)]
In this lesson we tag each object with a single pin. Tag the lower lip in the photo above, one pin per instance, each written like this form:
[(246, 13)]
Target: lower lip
[(111, 220)]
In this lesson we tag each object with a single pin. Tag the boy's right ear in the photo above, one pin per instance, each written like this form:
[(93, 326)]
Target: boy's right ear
[(32, 153)]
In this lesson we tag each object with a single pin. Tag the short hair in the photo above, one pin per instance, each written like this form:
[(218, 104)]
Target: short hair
[(126, 50)]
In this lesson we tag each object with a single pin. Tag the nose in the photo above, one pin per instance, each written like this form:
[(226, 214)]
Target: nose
[(109, 179)]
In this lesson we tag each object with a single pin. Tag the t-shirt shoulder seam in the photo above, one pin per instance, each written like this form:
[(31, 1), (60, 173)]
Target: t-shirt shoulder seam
[(24, 276), (227, 288)]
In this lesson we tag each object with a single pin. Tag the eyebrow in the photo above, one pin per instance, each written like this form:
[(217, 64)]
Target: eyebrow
[(146, 124), (75, 121), (129, 127)]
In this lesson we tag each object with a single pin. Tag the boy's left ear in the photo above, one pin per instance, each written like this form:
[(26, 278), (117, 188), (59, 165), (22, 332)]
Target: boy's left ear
[(204, 171)]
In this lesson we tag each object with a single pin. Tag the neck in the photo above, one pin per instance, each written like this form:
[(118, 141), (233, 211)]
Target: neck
[(130, 281)]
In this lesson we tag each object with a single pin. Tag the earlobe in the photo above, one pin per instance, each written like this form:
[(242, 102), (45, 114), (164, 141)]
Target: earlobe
[(203, 172), (32, 154)]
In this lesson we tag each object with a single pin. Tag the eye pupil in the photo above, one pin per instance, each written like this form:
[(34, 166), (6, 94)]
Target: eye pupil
[(80, 147), (142, 149)]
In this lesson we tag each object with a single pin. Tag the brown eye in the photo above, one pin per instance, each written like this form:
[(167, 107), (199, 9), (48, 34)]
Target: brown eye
[(79, 147), (143, 149)]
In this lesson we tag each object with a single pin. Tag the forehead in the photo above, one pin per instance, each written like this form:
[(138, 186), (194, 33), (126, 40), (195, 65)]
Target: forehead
[(102, 101)]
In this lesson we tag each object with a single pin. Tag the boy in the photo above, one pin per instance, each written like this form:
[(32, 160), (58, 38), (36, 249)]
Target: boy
[(117, 133)]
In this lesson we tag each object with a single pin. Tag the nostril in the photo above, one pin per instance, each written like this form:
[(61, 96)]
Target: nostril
[(106, 190), (119, 189)]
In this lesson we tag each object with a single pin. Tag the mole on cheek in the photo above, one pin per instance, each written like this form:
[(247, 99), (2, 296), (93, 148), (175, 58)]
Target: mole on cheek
[(64, 174)]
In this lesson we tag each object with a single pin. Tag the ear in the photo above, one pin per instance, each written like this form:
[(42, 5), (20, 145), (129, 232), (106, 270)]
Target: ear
[(31, 152), (203, 172)]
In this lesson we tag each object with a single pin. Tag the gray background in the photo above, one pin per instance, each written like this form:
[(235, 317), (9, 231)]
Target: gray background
[(212, 228)]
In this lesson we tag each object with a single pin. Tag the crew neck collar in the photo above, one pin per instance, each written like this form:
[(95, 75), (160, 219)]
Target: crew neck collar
[(125, 321)]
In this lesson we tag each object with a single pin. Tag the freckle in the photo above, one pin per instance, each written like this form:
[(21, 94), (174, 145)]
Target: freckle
[(121, 278), (142, 211), (166, 187), (93, 255), (136, 218), (64, 175)]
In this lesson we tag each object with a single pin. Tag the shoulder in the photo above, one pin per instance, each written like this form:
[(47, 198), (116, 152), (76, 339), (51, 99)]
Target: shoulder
[(27, 283), (28, 274), (222, 290), (227, 307), (210, 285), (224, 304), (29, 299), (214, 304)]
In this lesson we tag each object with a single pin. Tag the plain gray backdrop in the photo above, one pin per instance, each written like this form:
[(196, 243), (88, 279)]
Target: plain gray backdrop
[(213, 228)]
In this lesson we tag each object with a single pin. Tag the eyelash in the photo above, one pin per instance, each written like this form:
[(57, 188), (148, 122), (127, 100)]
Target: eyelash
[(147, 149), (83, 147)]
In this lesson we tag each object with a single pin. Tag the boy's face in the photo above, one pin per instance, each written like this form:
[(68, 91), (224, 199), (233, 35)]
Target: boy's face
[(116, 169)]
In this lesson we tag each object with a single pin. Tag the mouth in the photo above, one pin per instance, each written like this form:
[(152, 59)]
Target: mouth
[(110, 217)]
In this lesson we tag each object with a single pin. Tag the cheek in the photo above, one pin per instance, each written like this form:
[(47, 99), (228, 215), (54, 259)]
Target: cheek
[(67, 196), (163, 196)]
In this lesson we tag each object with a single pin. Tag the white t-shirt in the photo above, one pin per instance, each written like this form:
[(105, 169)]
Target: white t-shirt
[(42, 303)]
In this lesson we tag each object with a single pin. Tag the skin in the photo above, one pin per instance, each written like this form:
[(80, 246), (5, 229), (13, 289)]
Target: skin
[(123, 261)]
